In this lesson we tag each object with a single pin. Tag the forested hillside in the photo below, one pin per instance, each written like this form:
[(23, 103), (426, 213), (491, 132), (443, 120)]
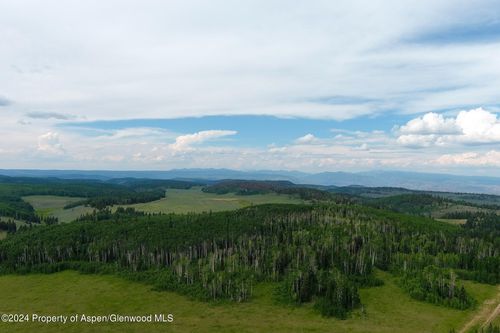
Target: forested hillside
[(250, 187), (426, 204), (318, 253)]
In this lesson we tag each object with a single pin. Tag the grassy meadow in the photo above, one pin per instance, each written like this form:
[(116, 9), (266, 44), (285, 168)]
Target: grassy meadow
[(180, 201), (46, 204), (52, 205), (386, 308), (195, 200)]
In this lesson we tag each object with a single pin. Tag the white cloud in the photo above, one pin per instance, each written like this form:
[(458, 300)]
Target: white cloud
[(306, 139), (490, 158), (135, 133), (49, 143), (476, 126), (185, 142), (355, 151), (479, 126), (416, 140), (315, 59), (168, 59), (430, 123)]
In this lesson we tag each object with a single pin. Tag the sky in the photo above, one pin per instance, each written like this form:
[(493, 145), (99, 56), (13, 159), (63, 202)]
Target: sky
[(283, 85)]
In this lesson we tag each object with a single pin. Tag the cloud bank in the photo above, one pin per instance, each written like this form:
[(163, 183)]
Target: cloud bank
[(362, 64), (157, 59)]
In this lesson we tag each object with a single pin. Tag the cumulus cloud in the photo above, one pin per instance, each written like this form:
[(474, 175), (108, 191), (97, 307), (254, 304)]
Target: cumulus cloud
[(430, 123), (479, 126), (185, 142), (49, 143), (476, 126)]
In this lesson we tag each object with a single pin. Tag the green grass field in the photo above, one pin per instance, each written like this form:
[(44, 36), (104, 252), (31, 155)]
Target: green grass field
[(49, 203), (194, 200), (52, 205), (176, 201), (3, 234), (68, 215), (387, 308)]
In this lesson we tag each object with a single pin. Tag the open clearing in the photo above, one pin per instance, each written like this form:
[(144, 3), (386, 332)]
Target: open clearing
[(3, 234), (176, 201), (387, 308), (196, 201), (49, 202), (52, 205), (457, 208), (453, 221)]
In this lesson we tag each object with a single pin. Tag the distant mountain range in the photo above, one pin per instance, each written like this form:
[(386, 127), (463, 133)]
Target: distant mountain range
[(409, 180)]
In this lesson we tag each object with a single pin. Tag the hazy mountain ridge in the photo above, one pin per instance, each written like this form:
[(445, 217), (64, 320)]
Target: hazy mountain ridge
[(409, 180)]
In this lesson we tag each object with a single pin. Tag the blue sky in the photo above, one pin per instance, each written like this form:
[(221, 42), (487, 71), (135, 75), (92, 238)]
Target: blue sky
[(312, 86), (253, 130)]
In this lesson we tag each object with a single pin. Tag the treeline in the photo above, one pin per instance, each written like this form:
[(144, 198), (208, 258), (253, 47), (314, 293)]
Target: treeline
[(146, 184), (477, 219), (126, 198), (483, 221), (319, 253), (8, 226), (415, 204), (480, 223), (247, 187), (14, 206), (438, 286), (252, 187), (422, 203)]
